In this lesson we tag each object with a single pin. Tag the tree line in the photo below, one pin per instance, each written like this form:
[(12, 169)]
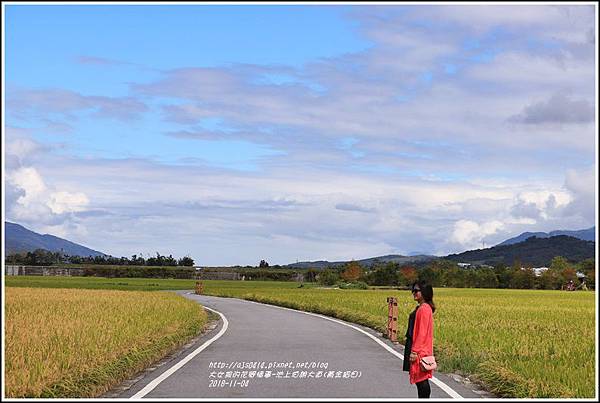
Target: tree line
[(445, 273), (42, 257)]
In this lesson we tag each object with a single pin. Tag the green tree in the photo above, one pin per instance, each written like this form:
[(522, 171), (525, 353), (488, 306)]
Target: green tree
[(550, 280), (485, 278), (470, 277), (328, 277), (170, 261), (185, 261), (561, 271), (590, 278), (383, 274), (588, 268), (439, 276), (457, 277), (503, 275), (427, 275), (442, 272), (523, 278), (569, 274), (559, 263), (586, 265), (311, 275)]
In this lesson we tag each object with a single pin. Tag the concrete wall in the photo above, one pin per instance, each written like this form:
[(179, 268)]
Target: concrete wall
[(13, 270)]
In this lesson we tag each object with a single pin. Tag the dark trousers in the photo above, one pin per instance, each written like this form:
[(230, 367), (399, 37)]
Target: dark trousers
[(424, 389)]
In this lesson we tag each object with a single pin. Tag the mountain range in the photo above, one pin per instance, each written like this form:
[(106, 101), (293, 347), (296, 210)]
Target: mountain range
[(588, 234), (20, 239), (534, 251), (321, 264), (531, 248)]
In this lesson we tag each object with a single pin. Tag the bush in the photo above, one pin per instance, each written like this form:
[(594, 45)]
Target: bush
[(355, 285), (269, 275), (139, 271)]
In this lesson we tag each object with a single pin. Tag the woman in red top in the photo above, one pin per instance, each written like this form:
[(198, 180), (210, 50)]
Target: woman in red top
[(422, 337)]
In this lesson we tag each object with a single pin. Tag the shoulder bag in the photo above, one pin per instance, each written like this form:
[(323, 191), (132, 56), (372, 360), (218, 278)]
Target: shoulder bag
[(428, 363)]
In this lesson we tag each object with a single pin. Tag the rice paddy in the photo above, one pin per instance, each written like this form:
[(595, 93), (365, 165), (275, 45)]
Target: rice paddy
[(78, 343), (100, 283)]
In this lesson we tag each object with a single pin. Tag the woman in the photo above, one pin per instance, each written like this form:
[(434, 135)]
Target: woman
[(419, 338)]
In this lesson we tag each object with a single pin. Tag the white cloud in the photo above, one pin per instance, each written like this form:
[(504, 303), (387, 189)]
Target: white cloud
[(44, 103), (468, 111), (470, 234), (533, 73), (22, 147), (38, 202), (65, 202), (30, 181), (489, 16), (30, 200), (214, 212), (545, 198), (68, 230), (582, 185), (436, 165)]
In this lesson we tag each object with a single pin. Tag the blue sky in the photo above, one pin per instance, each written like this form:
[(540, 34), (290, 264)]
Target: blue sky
[(100, 50), (303, 132), (152, 38)]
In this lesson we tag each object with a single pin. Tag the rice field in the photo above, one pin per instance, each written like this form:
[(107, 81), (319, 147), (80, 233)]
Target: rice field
[(79, 343), (519, 343), (100, 283)]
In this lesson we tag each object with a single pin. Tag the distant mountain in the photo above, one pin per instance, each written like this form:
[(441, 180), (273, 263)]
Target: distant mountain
[(534, 251), (20, 239), (588, 234), (321, 264)]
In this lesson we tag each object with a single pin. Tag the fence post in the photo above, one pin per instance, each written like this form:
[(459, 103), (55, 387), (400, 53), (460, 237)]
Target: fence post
[(199, 287), (392, 319)]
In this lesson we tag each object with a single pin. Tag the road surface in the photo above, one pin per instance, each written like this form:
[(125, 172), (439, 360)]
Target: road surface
[(263, 351)]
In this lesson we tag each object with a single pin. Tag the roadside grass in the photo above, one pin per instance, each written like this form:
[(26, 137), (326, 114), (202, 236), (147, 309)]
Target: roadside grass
[(79, 343)]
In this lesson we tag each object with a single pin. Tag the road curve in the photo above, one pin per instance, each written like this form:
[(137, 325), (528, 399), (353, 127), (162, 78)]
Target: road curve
[(270, 352)]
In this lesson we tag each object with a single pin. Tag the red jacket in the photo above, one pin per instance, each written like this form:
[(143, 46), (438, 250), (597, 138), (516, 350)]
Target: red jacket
[(422, 342)]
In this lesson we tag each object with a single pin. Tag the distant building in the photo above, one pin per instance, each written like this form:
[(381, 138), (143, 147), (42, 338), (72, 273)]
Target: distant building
[(538, 270), (464, 264)]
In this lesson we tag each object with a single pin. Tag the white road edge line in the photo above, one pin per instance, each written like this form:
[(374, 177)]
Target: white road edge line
[(451, 392), (148, 388)]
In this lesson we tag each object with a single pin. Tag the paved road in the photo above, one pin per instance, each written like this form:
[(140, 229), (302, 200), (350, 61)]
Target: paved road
[(306, 356)]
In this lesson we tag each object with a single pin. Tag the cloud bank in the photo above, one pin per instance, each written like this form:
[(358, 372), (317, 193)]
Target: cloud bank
[(459, 125)]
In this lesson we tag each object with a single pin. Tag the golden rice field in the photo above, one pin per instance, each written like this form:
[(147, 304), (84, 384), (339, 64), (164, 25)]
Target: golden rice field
[(79, 343), (519, 343)]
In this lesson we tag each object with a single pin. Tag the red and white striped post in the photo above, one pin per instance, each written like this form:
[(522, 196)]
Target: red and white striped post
[(199, 287), (392, 319)]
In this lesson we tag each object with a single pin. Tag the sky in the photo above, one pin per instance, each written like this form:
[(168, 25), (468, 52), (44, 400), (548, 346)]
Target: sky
[(236, 133)]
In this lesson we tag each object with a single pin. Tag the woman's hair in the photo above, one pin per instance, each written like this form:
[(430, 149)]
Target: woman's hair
[(426, 293)]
